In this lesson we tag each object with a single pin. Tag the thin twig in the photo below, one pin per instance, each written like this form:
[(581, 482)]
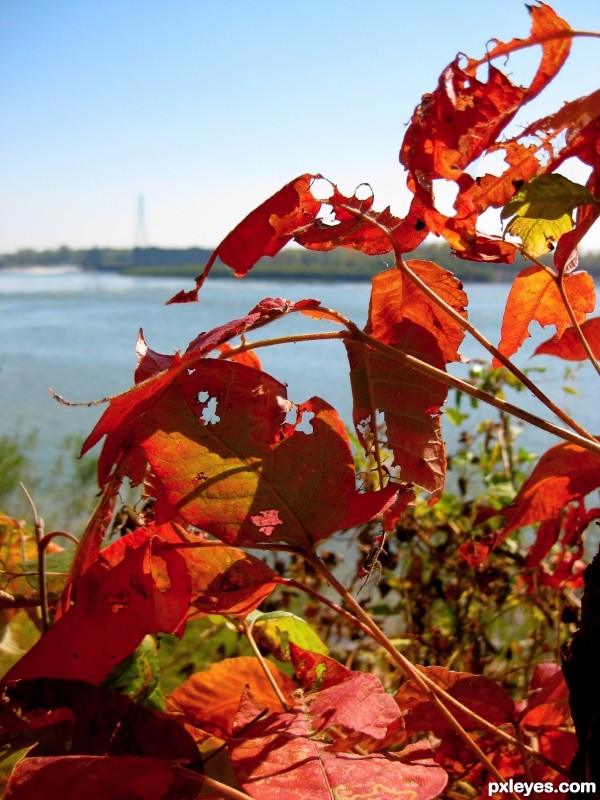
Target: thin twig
[(41, 555)]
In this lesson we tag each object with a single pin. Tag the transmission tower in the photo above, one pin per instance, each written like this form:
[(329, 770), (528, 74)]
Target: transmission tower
[(141, 234)]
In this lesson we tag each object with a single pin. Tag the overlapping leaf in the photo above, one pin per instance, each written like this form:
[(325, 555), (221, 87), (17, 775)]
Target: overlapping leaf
[(535, 297), (541, 212), (408, 401), (282, 754), (394, 298), (569, 346), (210, 700), (147, 592), (564, 474), (462, 120), (478, 693)]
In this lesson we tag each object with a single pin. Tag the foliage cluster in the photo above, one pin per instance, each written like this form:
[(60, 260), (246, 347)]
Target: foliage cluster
[(446, 678)]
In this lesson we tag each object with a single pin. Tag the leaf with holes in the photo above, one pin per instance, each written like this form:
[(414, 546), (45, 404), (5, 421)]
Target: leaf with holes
[(409, 402), (231, 465)]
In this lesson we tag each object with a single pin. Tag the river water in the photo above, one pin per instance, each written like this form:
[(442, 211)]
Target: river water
[(76, 333)]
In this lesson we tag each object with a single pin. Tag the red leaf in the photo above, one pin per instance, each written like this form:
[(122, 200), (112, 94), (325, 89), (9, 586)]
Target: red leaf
[(263, 232), (565, 473), (114, 610), (281, 754), (535, 296), (549, 706), (478, 693), (569, 347), (354, 705), (394, 298), (103, 723), (409, 401), (246, 461), (364, 233), (210, 700), (99, 778)]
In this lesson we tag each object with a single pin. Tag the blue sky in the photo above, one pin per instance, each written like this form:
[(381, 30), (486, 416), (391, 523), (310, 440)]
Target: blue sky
[(206, 107)]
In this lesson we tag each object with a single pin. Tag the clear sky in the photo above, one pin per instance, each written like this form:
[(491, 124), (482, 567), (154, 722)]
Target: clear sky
[(206, 107)]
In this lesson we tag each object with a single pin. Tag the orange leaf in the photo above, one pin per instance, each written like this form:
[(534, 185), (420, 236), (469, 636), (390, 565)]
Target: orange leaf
[(395, 298), (535, 297), (211, 699), (569, 346)]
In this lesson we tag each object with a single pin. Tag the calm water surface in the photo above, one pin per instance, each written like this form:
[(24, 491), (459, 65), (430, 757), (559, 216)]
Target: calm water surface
[(76, 333)]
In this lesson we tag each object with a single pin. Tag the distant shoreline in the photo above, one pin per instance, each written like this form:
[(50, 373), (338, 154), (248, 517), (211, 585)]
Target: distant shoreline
[(290, 264)]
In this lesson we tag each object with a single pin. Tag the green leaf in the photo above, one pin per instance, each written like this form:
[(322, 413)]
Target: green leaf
[(137, 675), (277, 629), (542, 211)]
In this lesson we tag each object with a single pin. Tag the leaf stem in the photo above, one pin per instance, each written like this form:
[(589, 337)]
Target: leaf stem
[(464, 323), (585, 440), (247, 631), (580, 334), (434, 692)]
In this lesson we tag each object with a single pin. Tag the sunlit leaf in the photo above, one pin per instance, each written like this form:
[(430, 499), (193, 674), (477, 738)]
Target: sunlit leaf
[(282, 754), (569, 346), (535, 297), (210, 700), (276, 630), (263, 232), (394, 298)]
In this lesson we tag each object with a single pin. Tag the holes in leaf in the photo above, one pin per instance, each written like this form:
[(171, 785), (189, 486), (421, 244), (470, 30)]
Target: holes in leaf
[(208, 408)]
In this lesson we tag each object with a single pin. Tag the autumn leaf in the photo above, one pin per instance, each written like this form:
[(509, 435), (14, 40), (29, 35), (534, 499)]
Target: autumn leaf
[(147, 592), (564, 474), (548, 703), (263, 232), (569, 346), (285, 752), (477, 692), (362, 716), (535, 297), (210, 699), (409, 402), (395, 298), (99, 777), (245, 461)]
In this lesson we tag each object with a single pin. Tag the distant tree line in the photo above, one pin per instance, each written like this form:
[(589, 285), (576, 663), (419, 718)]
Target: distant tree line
[(289, 264)]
